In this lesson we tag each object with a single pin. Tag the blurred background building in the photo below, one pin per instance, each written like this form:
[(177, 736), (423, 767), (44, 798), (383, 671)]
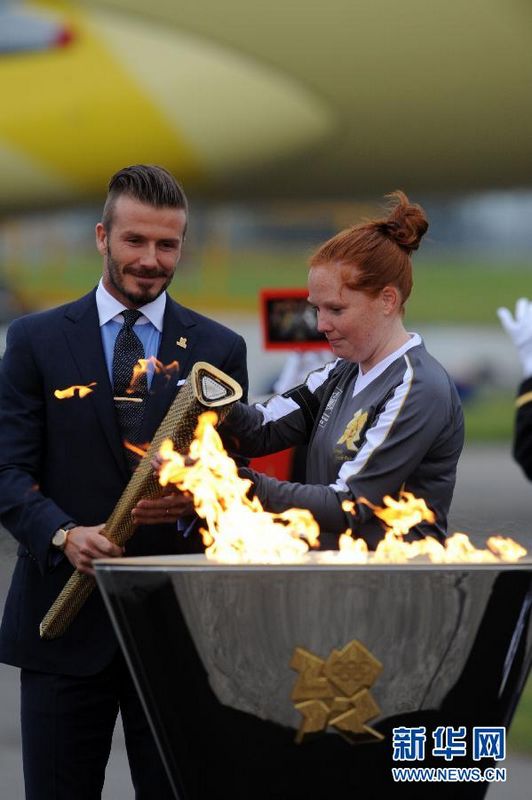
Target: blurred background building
[(285, 123)]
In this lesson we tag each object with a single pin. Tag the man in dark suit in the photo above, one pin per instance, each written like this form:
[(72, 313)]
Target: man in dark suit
[(63, 466)]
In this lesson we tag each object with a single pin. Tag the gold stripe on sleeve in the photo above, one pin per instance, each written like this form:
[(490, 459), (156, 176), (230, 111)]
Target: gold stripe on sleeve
[(523, 399)]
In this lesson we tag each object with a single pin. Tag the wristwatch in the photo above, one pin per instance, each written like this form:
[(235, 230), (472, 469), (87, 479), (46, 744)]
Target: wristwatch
[(59, 539)]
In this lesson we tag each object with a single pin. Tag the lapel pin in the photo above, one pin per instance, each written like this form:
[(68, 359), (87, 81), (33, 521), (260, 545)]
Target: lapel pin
[(182, 342)]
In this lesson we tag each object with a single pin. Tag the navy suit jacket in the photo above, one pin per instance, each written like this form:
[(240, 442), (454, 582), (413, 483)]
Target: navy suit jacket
[(64, 460)]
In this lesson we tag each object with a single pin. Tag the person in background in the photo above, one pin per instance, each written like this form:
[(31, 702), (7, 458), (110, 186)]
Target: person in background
[(384, 416), (63, 467), (519, 329)]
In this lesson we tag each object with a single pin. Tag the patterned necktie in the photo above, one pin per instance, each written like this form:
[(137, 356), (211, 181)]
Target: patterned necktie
[(129, 400)]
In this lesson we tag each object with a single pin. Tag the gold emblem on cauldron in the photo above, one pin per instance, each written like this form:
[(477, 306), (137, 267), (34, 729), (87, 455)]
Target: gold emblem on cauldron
[(336, 692), (353, 429)]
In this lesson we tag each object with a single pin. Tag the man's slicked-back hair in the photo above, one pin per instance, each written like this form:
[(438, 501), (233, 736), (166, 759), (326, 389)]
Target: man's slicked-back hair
[(146, 183)]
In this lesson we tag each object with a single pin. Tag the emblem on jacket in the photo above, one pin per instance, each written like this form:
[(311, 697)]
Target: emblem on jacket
[(336, 692), (182, 342), (353, 430)]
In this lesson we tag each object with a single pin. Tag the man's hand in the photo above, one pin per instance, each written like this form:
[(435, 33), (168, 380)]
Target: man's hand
[(83, 545), (169, 508), (519, 329)]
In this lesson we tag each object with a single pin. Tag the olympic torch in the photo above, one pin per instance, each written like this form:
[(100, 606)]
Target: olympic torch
[(205, 388)]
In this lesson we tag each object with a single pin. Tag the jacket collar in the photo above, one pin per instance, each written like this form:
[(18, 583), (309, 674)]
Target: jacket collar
[(178, 343)]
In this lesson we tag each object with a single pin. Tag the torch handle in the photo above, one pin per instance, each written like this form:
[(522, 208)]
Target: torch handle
[(66, 605), (119, 528)]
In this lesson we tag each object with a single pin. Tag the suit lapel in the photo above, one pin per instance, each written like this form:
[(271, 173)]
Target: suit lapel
[(178, 326), (82, 330)]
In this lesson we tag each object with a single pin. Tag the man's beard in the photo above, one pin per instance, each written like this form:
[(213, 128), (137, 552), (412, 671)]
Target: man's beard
[(139, 298)]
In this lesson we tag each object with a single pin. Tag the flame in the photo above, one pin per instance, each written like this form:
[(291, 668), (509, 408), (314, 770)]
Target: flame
[(401, 515), (505, 548), (141, 368), (352, 551), (64, 394), (137, 449), (239, 530)]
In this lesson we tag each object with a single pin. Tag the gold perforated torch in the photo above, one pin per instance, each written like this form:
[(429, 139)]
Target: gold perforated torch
[(206, 387)]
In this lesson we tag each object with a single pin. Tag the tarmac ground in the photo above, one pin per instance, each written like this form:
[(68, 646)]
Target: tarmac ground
[(491, 496)]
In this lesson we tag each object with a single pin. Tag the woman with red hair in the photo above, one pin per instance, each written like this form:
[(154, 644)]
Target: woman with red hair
[(384, 416)]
